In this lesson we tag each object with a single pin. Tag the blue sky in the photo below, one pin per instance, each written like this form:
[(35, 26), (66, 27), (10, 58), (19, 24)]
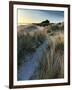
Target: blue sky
[(37, 16)]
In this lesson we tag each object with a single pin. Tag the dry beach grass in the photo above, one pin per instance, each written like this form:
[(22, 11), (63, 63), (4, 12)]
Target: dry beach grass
[(52, 63)]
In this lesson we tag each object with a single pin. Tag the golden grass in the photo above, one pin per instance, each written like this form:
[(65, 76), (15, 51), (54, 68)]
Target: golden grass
[(27, 44), (52, 63)]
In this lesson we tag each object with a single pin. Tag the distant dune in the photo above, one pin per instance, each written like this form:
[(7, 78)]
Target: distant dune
[(29, 27), (44, 26)]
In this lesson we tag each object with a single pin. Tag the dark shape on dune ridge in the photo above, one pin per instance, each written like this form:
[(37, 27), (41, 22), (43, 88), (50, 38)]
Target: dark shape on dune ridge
[(44, 23)]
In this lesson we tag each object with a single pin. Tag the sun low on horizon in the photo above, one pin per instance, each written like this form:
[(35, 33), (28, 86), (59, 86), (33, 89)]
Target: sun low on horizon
[(23, 20), (28, 16)]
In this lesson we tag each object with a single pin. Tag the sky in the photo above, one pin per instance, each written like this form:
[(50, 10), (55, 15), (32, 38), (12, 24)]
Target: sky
[(26, 16)]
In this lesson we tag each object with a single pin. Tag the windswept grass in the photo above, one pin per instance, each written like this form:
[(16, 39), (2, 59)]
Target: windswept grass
[(52, 63), (27, 44)]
